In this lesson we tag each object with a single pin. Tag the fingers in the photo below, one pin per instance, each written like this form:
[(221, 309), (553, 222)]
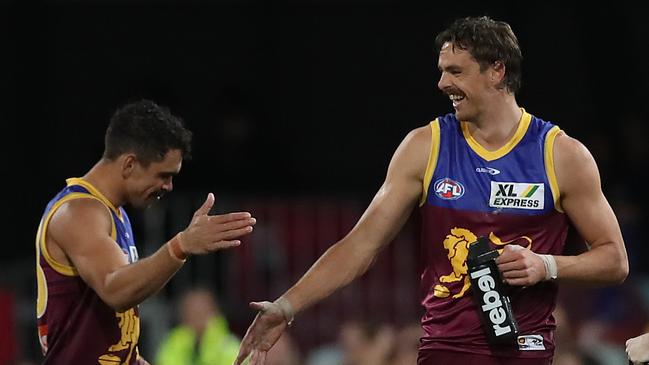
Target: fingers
[(221, 245), (514, 274), (258, 357), (235, 224), (228, 235), (225, 240), (523, 281), (511, 265), (510, 253), (229, 217), (259, 306), (243, 354), (207, 205)]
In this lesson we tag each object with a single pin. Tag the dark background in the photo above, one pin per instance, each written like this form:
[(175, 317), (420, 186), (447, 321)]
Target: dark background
[(299, 99), (289, 98)]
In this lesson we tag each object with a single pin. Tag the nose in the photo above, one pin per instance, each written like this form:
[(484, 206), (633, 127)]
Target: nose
[(168, 186), (443, 82)]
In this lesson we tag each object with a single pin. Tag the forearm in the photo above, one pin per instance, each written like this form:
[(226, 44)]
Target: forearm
[(604, 264), (131, 284)]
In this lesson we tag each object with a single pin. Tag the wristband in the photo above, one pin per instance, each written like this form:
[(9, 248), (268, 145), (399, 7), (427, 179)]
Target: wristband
[(550, 267), (287, 310), (175, 250)]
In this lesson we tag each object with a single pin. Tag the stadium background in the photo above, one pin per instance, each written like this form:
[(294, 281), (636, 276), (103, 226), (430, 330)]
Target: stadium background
[(296, 108)]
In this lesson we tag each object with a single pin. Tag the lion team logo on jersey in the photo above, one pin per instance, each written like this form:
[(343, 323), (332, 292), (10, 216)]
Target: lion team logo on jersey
[(517, 195), (448, 189), (457, 245)]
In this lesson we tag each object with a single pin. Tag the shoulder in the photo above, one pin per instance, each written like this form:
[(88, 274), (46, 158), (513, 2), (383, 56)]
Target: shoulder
[(574, 164), (570, 151), (417, 143), (80, 213), (418, 136), (412, 154)]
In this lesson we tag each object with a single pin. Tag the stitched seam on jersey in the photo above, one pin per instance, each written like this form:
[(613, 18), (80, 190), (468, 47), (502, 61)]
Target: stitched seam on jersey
[(432, 159), (523, 126), (548, 154), (93, 191)]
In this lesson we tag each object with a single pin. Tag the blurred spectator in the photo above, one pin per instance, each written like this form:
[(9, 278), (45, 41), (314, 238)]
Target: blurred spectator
[(359, 343), (202, 338), (406, 345)]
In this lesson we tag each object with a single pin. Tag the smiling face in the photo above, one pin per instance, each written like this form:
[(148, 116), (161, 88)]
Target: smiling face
[(147, 184), (468, 87)]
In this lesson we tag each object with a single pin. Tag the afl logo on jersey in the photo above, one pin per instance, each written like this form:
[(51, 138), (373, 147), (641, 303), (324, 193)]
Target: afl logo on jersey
[(448, 189)]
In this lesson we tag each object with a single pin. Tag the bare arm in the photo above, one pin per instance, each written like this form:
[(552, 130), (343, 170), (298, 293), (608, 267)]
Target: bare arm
[(583, 201), (352, 256), (81, 228)]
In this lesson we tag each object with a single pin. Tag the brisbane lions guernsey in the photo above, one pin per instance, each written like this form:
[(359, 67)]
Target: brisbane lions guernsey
[(509, 195), (74, 325)]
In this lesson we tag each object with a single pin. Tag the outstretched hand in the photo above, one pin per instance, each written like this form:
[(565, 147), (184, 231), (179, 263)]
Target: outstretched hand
[(208, 233), (637, 349), (265, 330)]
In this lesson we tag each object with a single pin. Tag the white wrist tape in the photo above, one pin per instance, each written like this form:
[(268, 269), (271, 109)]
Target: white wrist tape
[(550, 266), (287, 310)]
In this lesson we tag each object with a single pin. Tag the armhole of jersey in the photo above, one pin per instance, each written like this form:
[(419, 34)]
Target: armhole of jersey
[(549, 166), (432, 159), (63, 269), (41, 282)]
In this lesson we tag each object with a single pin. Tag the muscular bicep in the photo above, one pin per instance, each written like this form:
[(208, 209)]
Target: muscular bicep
[(82, 228), (400, 192), (581, 194)]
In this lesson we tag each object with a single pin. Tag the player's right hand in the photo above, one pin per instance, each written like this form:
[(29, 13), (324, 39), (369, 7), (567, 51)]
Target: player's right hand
[(209, 233), (262, 334)]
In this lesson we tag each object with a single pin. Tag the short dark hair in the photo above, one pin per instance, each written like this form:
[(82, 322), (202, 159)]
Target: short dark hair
[(488, 41), (147, 130)]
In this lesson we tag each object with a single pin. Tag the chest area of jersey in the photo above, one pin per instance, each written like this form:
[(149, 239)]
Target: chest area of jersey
[(516, 182)]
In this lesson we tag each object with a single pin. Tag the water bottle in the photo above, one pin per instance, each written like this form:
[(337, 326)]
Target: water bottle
[(493, 305)]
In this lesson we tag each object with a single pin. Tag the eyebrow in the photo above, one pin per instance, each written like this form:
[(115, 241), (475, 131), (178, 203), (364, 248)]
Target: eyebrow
[(167, 174), (450, 68)]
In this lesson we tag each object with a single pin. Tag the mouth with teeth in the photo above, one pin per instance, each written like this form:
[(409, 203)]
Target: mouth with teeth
[(456, 99)]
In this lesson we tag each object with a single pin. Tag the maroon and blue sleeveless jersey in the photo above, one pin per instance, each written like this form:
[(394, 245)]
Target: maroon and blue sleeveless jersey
[(74, 325), (509, 195)]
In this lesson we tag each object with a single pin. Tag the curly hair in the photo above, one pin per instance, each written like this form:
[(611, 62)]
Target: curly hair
[(147, 130), (487, 41)]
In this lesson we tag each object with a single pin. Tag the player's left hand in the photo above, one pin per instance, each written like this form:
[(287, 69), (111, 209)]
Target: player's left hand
[(520, 266), (637, 349)]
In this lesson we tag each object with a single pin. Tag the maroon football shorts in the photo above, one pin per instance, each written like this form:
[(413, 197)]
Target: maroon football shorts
[(430, 357)]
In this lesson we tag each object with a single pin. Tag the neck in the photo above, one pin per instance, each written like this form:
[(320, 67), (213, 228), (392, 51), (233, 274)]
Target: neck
[(496, 126), (106, 177)]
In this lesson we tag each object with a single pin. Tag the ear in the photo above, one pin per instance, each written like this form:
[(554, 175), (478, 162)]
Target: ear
[(128, 163), (497, 72)]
